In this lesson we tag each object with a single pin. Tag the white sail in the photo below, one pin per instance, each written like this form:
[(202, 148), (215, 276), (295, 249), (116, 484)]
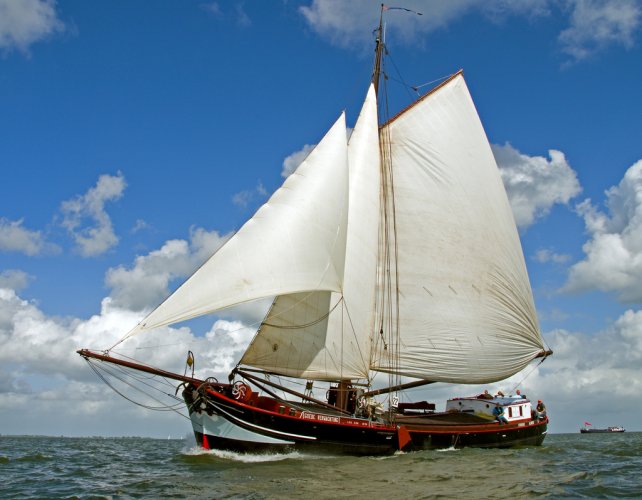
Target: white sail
[(466, 312), (438, 265), (295, 242), (321, 335)]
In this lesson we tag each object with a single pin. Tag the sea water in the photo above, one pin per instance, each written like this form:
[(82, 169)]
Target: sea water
[(567, 465)]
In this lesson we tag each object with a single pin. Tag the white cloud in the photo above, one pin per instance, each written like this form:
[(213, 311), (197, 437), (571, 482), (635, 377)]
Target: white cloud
[(85, 217), (613, 259), (140, 225), (28, 336), (291, 163), (244, 198), (146, 283), (351, 23), (544, 255), (598, 24), (16, 238), (602, 368), (25, 22), (533, 183), (42, 373), (236, 12), (9, 383), (593, 24), (227, 340), (14, 279)]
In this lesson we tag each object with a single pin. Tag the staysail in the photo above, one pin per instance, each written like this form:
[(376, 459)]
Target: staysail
[(465, 305), (322, 335)]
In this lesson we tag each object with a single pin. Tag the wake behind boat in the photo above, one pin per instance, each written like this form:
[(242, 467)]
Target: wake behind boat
[(393, 254)]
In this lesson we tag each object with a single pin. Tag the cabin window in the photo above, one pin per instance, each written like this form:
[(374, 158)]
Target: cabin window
[(521, 410)]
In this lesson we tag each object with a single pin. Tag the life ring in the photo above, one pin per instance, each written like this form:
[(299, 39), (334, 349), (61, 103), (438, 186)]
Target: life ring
[(241, 391)]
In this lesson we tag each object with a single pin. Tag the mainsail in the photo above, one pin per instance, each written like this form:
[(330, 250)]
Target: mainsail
[(427, 186), (465, 305)]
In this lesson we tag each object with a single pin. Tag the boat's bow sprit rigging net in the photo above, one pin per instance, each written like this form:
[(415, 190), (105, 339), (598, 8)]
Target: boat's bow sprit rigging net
[(393, 252)]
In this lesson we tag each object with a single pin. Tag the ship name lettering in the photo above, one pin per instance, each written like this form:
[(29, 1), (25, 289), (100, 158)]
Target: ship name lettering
[(324, 418)]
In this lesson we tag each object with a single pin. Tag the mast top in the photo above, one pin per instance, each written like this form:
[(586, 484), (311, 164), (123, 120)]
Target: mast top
[(379, 47)]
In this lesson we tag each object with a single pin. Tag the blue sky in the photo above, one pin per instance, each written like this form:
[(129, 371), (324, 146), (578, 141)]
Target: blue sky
[(134, 136)]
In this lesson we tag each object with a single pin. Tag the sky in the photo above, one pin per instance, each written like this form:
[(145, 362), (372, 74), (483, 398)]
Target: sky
[(135, 137)]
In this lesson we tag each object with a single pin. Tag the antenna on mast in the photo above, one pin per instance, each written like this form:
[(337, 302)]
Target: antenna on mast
[(381, 46)]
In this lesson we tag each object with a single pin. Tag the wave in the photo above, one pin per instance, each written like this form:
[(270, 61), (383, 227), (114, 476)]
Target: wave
[(197, 451)]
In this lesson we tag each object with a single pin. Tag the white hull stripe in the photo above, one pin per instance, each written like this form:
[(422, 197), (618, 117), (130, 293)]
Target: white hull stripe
[(264, 429), (220, 428)]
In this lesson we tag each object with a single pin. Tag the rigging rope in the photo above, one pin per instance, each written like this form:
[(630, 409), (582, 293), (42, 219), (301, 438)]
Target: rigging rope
[(527, 375), (305, 325), (417, 87), (165, 407)]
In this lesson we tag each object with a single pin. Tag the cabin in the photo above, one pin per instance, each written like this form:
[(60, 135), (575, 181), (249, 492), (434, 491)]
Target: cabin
[(416, 408), (515, 408)]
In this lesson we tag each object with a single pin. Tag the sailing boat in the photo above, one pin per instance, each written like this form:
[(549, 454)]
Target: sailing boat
[(393, 254)]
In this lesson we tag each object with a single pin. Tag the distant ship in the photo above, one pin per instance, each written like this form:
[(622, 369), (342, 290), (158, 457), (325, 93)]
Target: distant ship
[(588, 429)]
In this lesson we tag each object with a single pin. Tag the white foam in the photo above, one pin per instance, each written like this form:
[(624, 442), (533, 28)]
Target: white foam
[(250, 457), (452, 448)]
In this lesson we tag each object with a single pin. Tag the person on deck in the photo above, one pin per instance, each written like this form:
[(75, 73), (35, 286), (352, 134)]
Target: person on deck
[(498, 411), (485, 395), (540, 410), (518, 394)]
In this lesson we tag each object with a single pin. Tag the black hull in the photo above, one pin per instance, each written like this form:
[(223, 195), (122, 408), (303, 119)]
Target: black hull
[(320, 447), (222, 423), (488, 435), (229, 425)]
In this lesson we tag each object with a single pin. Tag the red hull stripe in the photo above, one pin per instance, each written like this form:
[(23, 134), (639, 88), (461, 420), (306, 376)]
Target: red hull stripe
[(465, 430)]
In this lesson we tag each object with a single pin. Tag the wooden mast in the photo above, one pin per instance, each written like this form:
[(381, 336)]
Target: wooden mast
[(379, 46)]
